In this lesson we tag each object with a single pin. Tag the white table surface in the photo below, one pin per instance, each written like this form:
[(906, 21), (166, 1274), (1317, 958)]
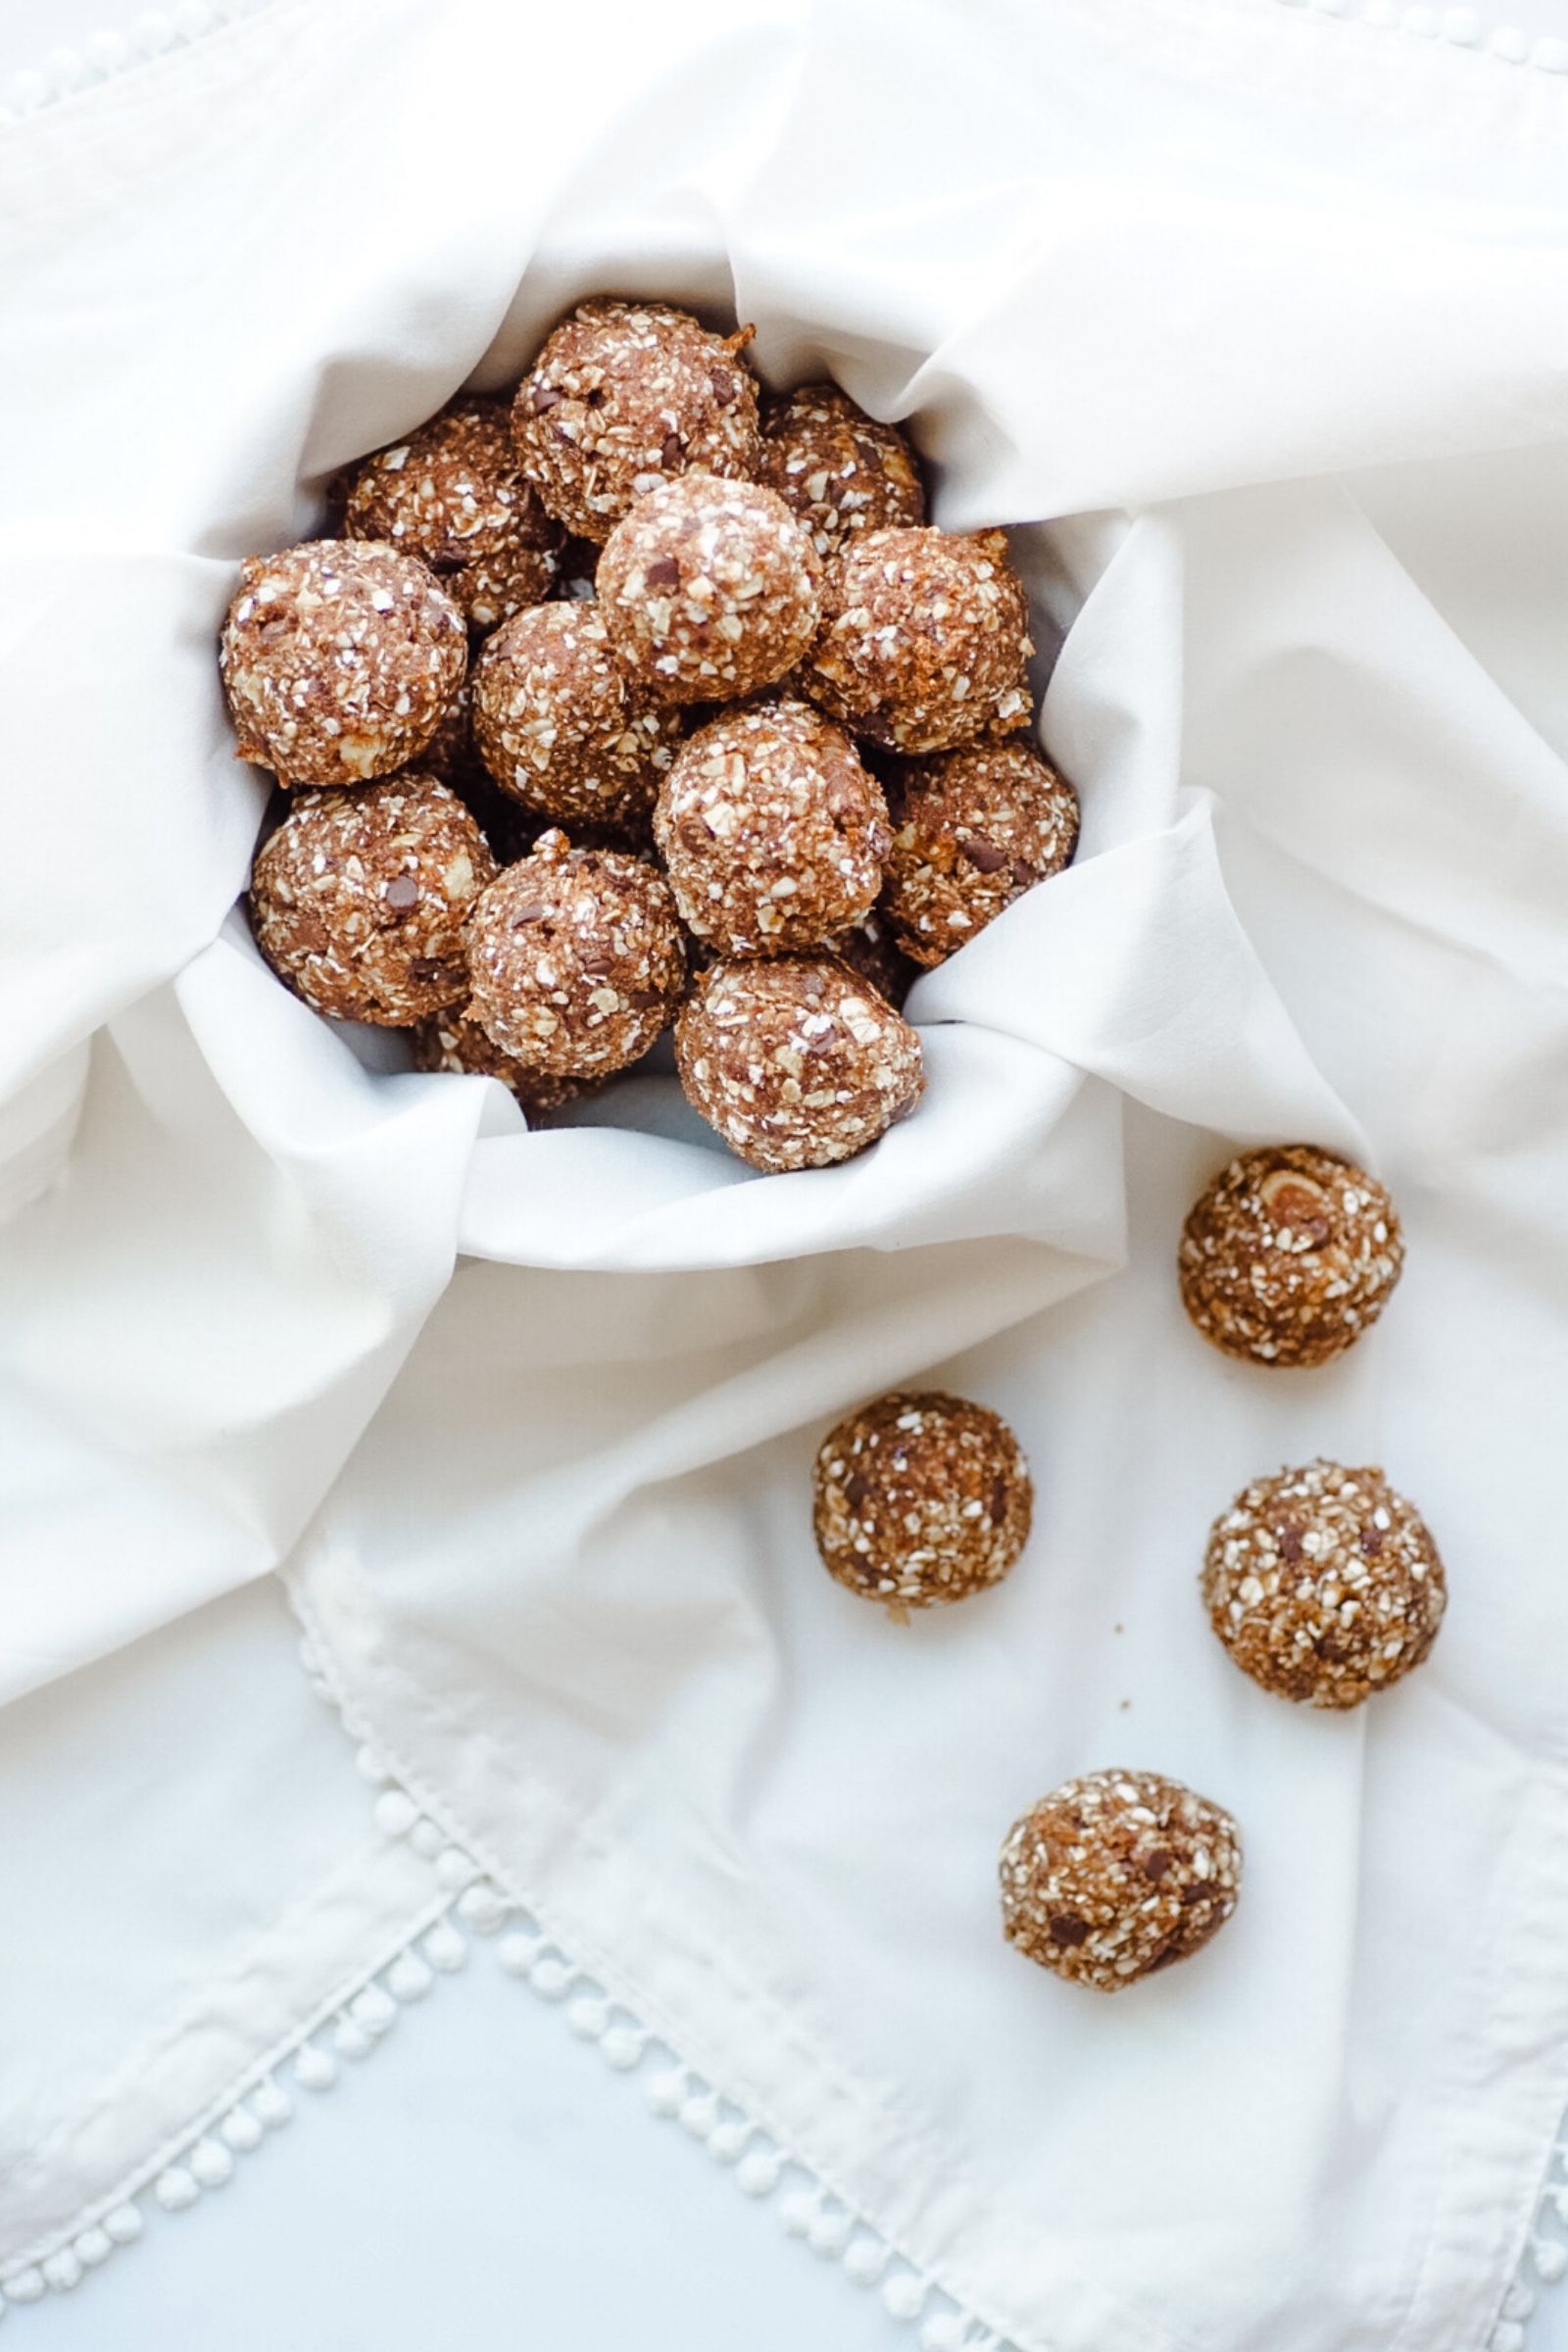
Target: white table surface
[(483, 2177)]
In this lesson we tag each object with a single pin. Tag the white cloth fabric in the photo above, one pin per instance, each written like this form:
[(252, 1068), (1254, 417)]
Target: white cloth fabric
[(1248, 320)]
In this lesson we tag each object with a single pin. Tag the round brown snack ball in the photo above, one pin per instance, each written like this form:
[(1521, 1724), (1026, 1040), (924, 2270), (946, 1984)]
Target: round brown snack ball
[(558, 725), (359, 900), (837, 468), (925, 640), (624, 396), (794, 1060), (772, 831), (1116, 1875), (708, 590), (452, 1040), (451, 493), (920, 1498), (1288, 1255), (575, 959), (974, 830), (1324, 1583), (338, 659), (870, 949)]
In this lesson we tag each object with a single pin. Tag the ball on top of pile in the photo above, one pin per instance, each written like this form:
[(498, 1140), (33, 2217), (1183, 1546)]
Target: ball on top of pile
[(837, 468), (625, 395), (338, 659), (772, 831), (795, 1060), (1324, 1583), (359, 900), (974, 829), (1117, 1874), (451, 493), (920, 1498), (575, 962), (924, 642), (708, 590), (1288, 1255)]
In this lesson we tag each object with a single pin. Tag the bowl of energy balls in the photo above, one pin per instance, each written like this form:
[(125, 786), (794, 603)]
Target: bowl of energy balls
[(644, 699)]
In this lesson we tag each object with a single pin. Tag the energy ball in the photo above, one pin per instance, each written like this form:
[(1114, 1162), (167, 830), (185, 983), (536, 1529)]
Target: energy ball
[(920, 1498), (357, 901), (1288, 1255), (974, 830), (624, 396), (575, 959), (338, 659), (771, 832), (795, 1061), (559, 724), (1119, 1874), (1324, 1583), (708, 590), (837, 468), (451, 493), (925, 640), (870, 949), (453, 1042)]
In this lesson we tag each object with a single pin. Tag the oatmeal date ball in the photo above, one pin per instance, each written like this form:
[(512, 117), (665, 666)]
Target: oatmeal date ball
[(794, 1060), (708, 590), (558, 725), (869, 948), (359, 900), (1288, 1255), (453, 1042), (1116, 1875), (920, 1498), (771, 832), (925, 640), (1324, 1583), (575, 959), (450, 493), (837, 468), (974, 829), (338, 659), (624, 396)]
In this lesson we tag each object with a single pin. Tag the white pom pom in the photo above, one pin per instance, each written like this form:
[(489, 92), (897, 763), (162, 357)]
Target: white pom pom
[(125, 2226), (61, 2271), (944, 2332), (623, 2048), (796, 2212), (395, 1813), (92, 2247), (152, 33), (408, 1979), (272, 2102), (1506, 2337), (588, 2015), (903, 2296), (515, 1953), (211, 2163), (107, 52), (1550, 2258), (173, 2189), (28, 2286), (1549, 55), (454, 1868), (552, 1976), (665, 2093), (445, 1948), (369, 1767), (829, 2234), (1518, 2303), (866, 2260), (758, 2173), (315, 2069), (242, 2130), (727, 2145), (427, 1839), (483, 1907), (374, 2009), (1422, 22), (1461, 27), (351, 2040), (699, 2115)]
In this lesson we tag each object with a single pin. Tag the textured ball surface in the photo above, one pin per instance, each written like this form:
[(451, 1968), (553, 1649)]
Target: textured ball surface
[(558, 725), (338, 659), (836, 469), (575, 959), (920, 1498), (359, 900), (451, 493), (1324, 1583), (974, 829), (925, 640), (1116, 1875), (708, 590), (626, 395), (1288, 1255), (772, 831), (794, 1060), (453, 1042)]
